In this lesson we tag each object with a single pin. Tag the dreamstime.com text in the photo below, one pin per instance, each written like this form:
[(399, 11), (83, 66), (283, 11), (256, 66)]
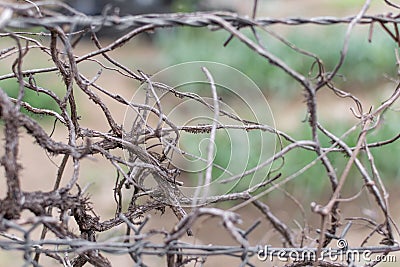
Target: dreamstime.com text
[(340, 254)]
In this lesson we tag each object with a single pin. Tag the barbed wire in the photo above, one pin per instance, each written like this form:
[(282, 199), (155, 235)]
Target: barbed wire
[(144, 247), (143, 163), (198, 19)]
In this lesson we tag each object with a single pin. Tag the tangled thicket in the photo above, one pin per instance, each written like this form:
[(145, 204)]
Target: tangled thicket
[(55, 36)]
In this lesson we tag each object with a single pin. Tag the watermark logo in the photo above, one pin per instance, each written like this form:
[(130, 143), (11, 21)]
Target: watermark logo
[(171, 116), (342, 253)]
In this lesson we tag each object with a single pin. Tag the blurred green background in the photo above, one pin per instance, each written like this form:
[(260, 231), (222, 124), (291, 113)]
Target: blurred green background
[(369, 72), (366, 72)]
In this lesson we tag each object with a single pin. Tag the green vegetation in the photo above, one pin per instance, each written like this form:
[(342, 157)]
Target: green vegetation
[(35, 99), (364, 69), (386, 157), (365, 64)]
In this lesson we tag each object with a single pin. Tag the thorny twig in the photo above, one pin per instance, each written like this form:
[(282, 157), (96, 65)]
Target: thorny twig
[(150, 147)]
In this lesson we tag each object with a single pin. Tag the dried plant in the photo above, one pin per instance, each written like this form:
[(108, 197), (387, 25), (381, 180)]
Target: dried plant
[(144, 147)]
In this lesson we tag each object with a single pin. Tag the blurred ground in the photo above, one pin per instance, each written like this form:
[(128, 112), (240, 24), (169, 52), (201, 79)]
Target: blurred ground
[(39, 172)]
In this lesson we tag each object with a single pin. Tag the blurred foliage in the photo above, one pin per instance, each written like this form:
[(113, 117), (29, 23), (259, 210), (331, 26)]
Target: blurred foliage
[(365, 64), (35, 99), (32, 60), (184, 5), (364, 69), (315, 179)]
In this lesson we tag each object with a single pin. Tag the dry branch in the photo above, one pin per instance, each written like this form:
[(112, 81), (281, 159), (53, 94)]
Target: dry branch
[(143, 164)]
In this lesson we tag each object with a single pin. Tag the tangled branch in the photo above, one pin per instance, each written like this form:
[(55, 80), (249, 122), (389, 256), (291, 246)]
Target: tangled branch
[(145, 148)]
